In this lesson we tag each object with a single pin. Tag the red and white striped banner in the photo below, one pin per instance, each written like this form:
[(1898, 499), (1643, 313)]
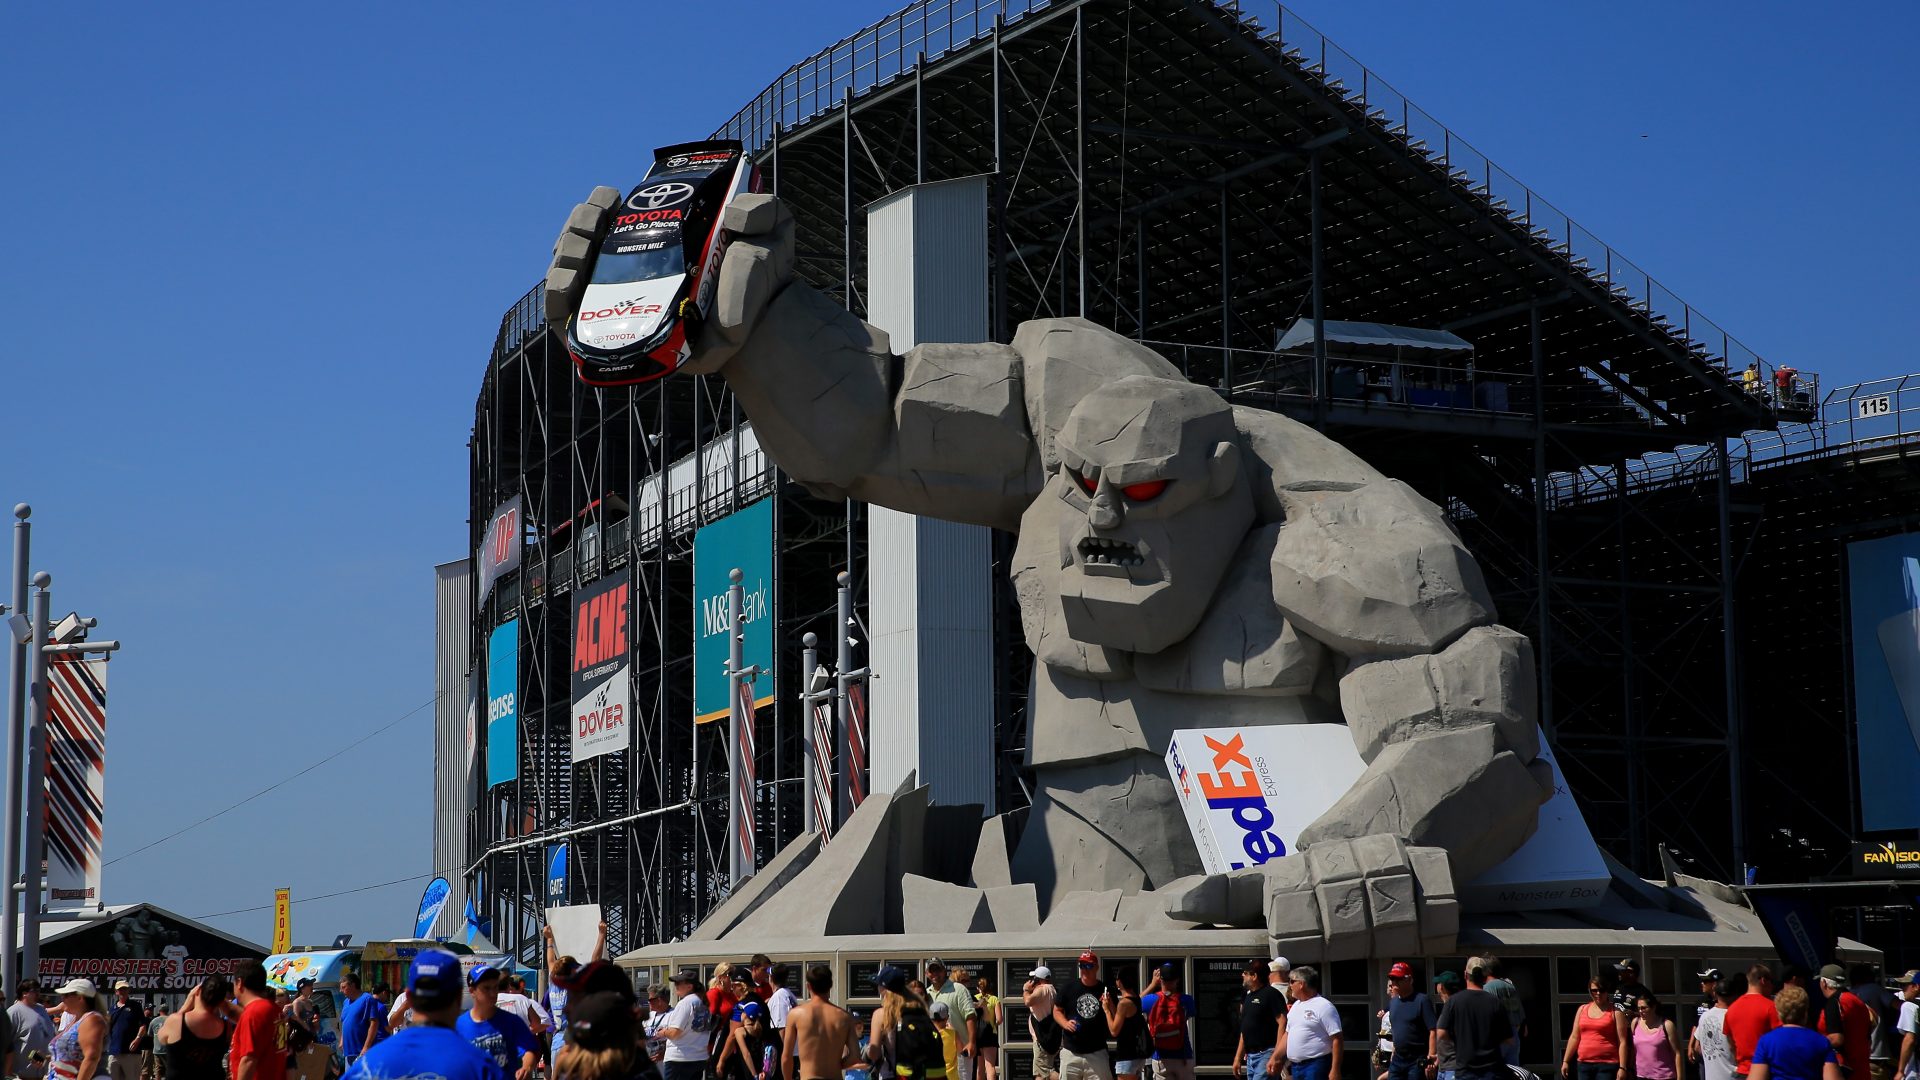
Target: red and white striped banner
[(856, 777), (746, 783), (820, 770), (76, 780)]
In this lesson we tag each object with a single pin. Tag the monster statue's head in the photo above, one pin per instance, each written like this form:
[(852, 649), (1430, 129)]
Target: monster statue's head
[(1147, 504)]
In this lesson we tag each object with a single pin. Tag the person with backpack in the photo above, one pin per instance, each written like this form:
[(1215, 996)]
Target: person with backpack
[(904, 1043), (1128, 1022), (1169, 1016)]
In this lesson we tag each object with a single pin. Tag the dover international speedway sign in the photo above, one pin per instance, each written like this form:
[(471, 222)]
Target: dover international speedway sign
[(742, 540)]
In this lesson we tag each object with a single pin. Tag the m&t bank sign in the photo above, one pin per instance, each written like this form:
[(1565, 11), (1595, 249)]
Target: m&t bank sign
[(742, 540)]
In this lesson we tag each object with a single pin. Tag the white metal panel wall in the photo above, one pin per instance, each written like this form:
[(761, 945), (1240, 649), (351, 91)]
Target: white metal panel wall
[(930, 582), (453, 792)]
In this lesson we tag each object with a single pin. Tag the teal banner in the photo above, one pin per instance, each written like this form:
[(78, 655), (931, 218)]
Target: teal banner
[(742, 540), (503, 703)]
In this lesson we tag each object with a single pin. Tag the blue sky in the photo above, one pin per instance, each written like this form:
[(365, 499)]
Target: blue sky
[(254, 258)]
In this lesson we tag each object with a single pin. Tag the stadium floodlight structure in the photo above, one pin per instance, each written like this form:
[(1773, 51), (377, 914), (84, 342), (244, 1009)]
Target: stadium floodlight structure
[(1204, 177)]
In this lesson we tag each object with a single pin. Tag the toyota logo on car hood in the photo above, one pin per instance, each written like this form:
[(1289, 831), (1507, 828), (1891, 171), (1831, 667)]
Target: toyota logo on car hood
[(657, 196)]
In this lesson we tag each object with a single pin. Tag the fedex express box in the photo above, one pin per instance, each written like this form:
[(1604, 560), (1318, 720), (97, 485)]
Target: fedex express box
[(1248, 792)]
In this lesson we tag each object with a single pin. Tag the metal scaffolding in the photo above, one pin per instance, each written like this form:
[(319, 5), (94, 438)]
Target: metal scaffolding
[(1200, 176)]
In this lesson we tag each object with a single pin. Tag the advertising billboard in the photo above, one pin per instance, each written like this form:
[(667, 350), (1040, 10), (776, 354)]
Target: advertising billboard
[(1249, 791), (503, 703), (602, 666), (76, 781), (499, 553), (1883, 608), (742, 540)]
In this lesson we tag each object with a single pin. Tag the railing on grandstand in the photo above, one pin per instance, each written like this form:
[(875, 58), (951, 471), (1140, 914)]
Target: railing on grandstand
[(1851, 419), (888, 50), (1456, 385), (687, 508)]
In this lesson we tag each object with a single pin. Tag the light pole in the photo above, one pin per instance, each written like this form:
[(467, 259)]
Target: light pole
[(40, 649), (16, 745)]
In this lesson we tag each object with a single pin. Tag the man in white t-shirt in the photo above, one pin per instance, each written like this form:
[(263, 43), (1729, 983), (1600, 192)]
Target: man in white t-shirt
[(1709, 1044), (1312, 1040), (1909, 1026), (686, 1029)]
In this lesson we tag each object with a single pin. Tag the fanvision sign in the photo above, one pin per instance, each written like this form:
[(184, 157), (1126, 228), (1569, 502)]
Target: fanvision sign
[(1886, 859)]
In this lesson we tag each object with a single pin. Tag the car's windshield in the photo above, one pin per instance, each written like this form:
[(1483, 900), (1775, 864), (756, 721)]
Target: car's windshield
[(615, 266)]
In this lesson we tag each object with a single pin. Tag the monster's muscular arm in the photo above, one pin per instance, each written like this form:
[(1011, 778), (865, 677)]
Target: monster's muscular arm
[(942, 431)]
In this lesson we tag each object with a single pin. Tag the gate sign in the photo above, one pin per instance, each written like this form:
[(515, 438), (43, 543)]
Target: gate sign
[(602, 667), (76, 781), (556, 874), (499, 553), (503, 703), (743, 539)]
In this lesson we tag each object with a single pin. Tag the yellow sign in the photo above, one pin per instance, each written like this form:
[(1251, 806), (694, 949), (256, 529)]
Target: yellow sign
[(282, 920)]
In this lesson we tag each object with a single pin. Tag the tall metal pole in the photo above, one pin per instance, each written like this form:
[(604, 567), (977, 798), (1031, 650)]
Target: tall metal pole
[(1543, 552), (16, 748), (1320, 387), (1000, 196), (36, 834), (842, 708), (1080, 145), (1730, 656), (739, 774)]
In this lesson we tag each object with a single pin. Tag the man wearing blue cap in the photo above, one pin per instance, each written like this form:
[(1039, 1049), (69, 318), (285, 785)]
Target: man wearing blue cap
[(431, 1047), (496, 1032)]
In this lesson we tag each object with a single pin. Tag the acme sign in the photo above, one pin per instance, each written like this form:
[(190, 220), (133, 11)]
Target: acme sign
[(1886, 859)]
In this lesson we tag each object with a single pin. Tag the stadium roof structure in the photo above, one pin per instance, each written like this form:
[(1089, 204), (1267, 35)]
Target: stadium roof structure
[(1200, 174)]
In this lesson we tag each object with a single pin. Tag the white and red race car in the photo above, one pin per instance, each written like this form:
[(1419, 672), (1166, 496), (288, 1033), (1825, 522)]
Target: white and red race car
[(654, 273)]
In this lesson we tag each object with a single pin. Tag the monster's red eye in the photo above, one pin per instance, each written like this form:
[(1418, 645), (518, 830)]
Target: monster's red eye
[(1087, 483), (1145, 491)]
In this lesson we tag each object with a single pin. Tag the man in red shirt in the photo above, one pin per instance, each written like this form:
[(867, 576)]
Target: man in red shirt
[(1846, 1021), (1751, 1016), (256, 1053)]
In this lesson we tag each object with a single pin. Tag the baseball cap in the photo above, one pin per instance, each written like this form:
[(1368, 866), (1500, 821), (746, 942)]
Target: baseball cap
[(890, 978), (1628, 964), (1911, 978), (600, 1022), (1400, 970), (123, 985), (83, 987), (936, 964), (1255, 967), (1089, 959), (1712, 973), (753, 1010), (1279, 963), (1834, 974), (433, 979), (1169, 970), (937, 1010), (1041, 972), (480, 973), (687, 975)]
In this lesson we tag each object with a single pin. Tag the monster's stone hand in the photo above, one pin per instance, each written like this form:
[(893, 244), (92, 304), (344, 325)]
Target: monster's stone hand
[(1338, 900), (758, 264)]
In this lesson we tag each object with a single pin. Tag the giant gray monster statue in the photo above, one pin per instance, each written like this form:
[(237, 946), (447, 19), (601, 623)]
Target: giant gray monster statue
[(1181, 563)]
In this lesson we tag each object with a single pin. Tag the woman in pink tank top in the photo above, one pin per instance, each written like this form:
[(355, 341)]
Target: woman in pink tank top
[(1656, 1043)]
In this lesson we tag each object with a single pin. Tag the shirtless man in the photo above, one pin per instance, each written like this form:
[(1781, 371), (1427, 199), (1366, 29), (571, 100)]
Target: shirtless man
[(820, 1041)]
